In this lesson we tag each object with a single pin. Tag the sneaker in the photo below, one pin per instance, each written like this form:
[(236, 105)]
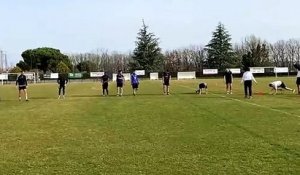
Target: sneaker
[(27, 100), (227, 92), (230, 93)]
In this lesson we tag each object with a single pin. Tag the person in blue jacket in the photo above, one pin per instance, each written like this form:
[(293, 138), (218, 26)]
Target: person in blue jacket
[(134, 82)]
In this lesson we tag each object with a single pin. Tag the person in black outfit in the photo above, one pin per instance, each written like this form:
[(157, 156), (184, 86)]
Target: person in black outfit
[(62, 82), (21, 84), (166, 82), (297, 66), (228, 81), (202, 87), (104, 80), (120, 83)]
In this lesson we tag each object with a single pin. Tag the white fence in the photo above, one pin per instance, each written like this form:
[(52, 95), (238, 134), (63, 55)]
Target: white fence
[(154, 76), (257, 70), (210, 71), (140, 72), (281, 69), (96, 74), (54, 75), (235, 70), (126, 76), (186, 75), (3, 77)]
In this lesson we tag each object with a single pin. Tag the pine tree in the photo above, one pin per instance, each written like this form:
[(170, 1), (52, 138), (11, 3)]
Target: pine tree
[(147, 54), (219, 50)]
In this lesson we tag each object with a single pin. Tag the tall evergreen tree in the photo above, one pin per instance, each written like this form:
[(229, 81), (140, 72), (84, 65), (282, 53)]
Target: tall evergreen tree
[(147, 54), (219, 50)]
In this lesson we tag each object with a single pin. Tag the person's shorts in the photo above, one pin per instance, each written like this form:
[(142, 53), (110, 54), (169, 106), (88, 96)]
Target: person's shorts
[(283, 85), (202, 86), (298, 81), (22, 88), (120, 85), (228, 81), (166, 83), (104, 85), (135, 86)]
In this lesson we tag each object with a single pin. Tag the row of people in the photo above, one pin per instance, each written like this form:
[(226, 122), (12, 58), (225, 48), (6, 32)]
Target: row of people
[(62, 81), (247, 80), (120, 81)]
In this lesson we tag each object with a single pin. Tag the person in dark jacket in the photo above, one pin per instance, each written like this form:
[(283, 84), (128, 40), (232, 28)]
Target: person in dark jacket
[(62, 83), (21, 84), (104, 81), (120, 83)]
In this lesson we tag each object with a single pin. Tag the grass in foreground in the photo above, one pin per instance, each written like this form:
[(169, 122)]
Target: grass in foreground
[(183, 133)]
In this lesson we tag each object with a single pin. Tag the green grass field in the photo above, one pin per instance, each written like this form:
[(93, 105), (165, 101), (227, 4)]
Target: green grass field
[(183, 133)]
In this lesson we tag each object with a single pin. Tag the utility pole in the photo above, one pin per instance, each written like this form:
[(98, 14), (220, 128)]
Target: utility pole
[(5, 62), (1, 60)]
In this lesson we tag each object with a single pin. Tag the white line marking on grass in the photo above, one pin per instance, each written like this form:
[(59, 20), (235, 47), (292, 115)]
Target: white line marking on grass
[(249, 103)]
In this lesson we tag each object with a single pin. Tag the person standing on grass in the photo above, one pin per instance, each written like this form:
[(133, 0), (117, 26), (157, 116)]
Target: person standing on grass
[(166, 82), (62, 82), (228, 79), (104, 81), (120, 83), (247, 79), (21, 84), (134, 82), (275, 85), (297, 66)]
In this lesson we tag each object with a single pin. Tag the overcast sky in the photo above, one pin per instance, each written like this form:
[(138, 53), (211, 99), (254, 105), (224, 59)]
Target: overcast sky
[(75, 26)]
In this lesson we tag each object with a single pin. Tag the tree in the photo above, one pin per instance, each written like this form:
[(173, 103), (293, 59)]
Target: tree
[(86, 66), (15, 70), (219, 50), (257, 52), (24, 66), (45, 58), (63, 68), (147, 54)]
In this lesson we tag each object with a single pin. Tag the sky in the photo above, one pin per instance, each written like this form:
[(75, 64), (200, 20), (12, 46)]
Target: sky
[(78, 26)]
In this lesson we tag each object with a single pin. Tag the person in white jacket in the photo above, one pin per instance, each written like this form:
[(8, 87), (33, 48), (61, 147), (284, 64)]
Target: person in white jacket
[(247, 80), (279, 85)]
